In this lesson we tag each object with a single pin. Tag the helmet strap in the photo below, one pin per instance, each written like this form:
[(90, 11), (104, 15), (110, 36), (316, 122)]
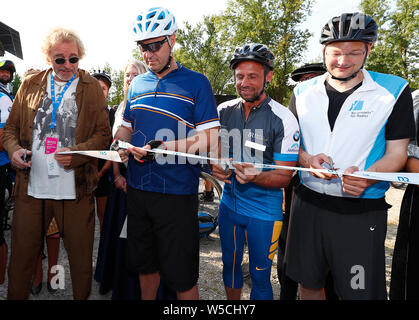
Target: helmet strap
[(169, 61)]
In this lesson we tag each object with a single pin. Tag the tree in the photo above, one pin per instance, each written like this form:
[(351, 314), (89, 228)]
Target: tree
[(397, 49), (201, 50), (116, 94), (275, 23), (17, 81), (207, 47)]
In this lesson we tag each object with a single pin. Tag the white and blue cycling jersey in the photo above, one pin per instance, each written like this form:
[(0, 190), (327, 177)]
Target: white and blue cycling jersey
[(167, 109), (368, 117), (270, 127), (5, 107)]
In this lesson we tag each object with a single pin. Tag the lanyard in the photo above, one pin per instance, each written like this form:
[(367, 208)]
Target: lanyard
[(56, 103)]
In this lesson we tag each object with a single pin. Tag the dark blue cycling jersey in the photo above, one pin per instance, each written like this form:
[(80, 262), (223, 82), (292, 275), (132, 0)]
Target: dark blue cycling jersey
[(168, 109), (269, 126)]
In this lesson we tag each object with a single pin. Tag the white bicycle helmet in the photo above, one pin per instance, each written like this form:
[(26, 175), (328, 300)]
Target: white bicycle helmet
[(153, 23)]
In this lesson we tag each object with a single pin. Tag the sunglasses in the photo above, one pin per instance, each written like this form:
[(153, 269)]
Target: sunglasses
[(72, 60), (152, 47)]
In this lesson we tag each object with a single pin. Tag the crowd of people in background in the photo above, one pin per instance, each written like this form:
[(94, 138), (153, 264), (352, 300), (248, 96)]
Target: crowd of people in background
[(322, 225)]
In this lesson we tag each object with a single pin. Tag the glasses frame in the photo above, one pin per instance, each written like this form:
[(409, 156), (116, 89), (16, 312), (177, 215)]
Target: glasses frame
[(351, 55), (72, 60), (153, 46)]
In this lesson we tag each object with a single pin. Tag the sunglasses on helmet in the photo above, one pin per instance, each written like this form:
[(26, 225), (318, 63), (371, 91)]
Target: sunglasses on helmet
[(72, 60), (152, 47)]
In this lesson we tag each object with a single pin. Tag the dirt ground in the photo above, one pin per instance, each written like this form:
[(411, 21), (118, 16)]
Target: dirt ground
[(210, 281)]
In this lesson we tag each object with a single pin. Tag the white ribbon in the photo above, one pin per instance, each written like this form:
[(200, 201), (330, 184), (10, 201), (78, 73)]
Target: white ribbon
[(404, 177)]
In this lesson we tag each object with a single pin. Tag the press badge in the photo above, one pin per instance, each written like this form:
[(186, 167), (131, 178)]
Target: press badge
[(51, 145), (52, 165)]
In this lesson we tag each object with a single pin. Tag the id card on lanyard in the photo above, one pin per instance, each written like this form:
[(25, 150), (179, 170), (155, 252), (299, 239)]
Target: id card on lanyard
[(51, 143)]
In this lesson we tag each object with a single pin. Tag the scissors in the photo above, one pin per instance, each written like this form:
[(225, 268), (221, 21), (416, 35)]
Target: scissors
[(332, 164)]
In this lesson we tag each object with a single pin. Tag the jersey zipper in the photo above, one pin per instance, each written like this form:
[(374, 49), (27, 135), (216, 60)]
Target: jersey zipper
[(329, 150), (155, 90)]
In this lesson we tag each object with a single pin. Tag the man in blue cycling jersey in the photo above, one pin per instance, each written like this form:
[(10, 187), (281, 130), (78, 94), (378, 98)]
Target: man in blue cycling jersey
[(255, 129), (355, 120), (172, 104)]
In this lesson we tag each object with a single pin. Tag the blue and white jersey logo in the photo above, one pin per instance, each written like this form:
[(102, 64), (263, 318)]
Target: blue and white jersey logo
[(357, 105)]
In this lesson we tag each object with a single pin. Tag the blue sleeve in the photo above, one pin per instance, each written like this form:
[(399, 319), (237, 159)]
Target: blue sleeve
[(205, 112)]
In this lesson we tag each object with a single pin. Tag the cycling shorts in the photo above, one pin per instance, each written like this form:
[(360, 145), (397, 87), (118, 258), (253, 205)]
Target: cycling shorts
[(262, 239), (350, 245), (163, 236)]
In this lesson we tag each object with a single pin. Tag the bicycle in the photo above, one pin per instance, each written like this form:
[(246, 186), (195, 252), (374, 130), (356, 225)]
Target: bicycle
[(208, 210)]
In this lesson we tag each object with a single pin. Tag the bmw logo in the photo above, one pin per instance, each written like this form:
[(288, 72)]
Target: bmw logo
[(297, 136)]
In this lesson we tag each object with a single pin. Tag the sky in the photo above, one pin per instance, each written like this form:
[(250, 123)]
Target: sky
[(105, 26)]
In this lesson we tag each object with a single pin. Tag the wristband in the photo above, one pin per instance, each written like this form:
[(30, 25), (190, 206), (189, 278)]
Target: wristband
[(154, 144)]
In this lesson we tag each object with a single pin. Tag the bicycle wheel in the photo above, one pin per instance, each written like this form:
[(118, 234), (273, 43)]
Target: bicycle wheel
[(214, 182), (210, 206)]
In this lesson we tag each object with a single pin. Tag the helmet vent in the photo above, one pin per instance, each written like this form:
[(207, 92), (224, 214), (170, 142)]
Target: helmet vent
[(156, 25), (161, 16), (168, 26)]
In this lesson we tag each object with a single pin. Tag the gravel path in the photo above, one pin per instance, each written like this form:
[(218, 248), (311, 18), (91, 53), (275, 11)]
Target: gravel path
[(210, 281)]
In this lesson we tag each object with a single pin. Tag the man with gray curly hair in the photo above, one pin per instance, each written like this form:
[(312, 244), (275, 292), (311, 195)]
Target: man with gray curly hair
[(59, 109)]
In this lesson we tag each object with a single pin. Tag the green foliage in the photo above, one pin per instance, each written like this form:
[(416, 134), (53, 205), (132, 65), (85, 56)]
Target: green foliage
[(17, 81), (201, 50), (207, 47), (397, 49), (116, 92), (274, 23)]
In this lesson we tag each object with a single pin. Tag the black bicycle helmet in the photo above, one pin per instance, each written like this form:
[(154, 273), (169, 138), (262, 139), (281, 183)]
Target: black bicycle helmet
[(253, 52), (350, 27), (306, 69), (9, 66), (102, 75)]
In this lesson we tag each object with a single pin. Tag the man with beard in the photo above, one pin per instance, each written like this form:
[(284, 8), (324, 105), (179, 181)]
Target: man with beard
[(50, 184), (262, 131)]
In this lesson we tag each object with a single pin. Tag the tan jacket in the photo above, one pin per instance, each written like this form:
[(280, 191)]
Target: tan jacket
[(92, 130)]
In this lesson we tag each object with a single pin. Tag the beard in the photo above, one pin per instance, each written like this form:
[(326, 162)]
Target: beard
[(4, 80), (249, 96)]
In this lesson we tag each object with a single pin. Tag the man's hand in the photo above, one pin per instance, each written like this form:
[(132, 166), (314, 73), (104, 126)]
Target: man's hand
[(219, 173), (63, 159), (124, 155), (121, 183), (138, 153), (17, 159), (353, 185), (245, 172), (315, 162)]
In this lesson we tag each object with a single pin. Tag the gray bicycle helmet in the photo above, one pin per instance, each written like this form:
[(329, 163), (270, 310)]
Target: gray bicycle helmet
[(350, 27), (253, 52)]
